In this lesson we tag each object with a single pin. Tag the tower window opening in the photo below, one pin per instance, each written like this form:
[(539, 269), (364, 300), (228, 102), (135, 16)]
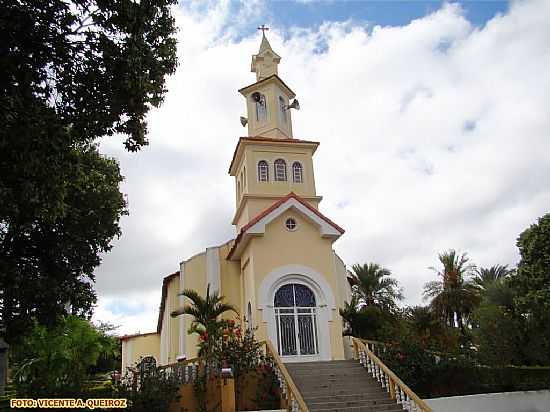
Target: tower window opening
[(297, 172), (282, 108), (280, 170), (263, 171), (261, 107)]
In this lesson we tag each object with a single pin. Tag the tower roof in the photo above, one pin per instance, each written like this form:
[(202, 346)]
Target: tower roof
[(265, 46), (265, 63)]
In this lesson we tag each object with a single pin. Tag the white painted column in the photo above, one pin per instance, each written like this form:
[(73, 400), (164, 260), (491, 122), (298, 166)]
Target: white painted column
[(181, 319)]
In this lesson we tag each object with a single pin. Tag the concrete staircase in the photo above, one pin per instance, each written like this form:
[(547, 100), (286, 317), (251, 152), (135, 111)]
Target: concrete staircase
[(340, 386)]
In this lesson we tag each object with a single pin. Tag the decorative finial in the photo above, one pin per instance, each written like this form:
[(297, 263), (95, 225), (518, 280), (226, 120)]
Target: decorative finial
[(263, 28)]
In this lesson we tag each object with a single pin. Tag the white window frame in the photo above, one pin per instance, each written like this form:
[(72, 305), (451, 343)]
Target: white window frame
[(263, 171), (279, 169), (297, 167)]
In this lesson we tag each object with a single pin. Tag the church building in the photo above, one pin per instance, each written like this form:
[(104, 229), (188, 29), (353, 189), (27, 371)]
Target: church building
[(280, 271)]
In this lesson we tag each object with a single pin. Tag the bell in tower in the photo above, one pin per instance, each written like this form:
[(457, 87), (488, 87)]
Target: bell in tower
[(268, 100)]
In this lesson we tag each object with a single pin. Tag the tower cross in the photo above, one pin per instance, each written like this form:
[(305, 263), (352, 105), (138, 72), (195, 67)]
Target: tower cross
[(263, 28)]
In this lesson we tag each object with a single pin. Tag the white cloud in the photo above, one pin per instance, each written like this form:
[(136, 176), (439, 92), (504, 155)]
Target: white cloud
[(434, 135)]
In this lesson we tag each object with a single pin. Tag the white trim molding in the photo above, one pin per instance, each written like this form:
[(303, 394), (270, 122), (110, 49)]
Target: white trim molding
[(326, 229), (324, 298), (181, 318)]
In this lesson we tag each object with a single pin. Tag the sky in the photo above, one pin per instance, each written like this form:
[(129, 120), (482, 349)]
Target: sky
[(433, 119)]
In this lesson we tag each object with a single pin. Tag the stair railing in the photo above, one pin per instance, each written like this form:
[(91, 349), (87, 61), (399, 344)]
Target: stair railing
[(289, 391), (389, 381), (184, 372)]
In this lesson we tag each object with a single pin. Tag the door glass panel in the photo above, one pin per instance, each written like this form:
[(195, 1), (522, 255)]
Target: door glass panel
[(304, 296), (288, 335), (305, 334), (285, 296), (296, 323)]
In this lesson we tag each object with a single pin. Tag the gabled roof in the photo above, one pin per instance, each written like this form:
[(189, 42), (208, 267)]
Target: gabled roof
[(257, 225)]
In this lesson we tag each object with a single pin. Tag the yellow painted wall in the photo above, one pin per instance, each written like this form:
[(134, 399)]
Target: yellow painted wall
[(230, 283), (279, 247), (273, 127), (140, 346), (290, 153), (252, 207), (195, 278)]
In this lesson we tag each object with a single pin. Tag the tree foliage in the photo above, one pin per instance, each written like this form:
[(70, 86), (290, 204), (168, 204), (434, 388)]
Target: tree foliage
[(375, 286), (206, 312), (453, 297), (486, 277), (70, 73), (533, 277), (56, 361)]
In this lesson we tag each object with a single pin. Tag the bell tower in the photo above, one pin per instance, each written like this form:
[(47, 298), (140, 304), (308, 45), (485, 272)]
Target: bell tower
[(268, 101), (270, 164)]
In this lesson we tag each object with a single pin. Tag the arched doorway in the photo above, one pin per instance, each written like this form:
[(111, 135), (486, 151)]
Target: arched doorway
[(296, 321)]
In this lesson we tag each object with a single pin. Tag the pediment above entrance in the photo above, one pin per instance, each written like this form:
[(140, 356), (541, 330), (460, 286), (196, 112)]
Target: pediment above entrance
[(257, 226)]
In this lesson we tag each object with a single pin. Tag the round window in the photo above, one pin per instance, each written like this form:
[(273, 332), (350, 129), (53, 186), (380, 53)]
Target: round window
[(291, 224)]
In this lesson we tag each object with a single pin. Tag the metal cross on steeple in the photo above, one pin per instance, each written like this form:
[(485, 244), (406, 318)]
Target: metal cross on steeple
[(263, 28)]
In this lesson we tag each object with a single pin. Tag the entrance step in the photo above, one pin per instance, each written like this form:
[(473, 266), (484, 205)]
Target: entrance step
[(340, 386)]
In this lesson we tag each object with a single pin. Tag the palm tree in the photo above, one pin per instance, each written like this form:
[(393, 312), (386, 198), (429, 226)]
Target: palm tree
[(453, 296), (205, 311), (349, 313), (375, 286), (485, 277)]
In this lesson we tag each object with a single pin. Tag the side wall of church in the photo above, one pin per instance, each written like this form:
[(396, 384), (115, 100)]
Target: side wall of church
[(194, 278), (304, 246), (140, 346), (230, 282), (169, 336)]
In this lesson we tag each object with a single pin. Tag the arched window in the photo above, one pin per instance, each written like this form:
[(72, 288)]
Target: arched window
[(296, 320), (280, 170), (263, 171), (261, 107), (297, 174), (282, 108)]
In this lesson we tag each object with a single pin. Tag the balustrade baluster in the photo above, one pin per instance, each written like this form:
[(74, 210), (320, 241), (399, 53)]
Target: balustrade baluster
[(294, 404), (383, 379), (387, 382), (398, 394), (406, 403)]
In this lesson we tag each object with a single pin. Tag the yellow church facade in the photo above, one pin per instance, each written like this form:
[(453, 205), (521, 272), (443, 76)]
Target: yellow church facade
[(280, 271)]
